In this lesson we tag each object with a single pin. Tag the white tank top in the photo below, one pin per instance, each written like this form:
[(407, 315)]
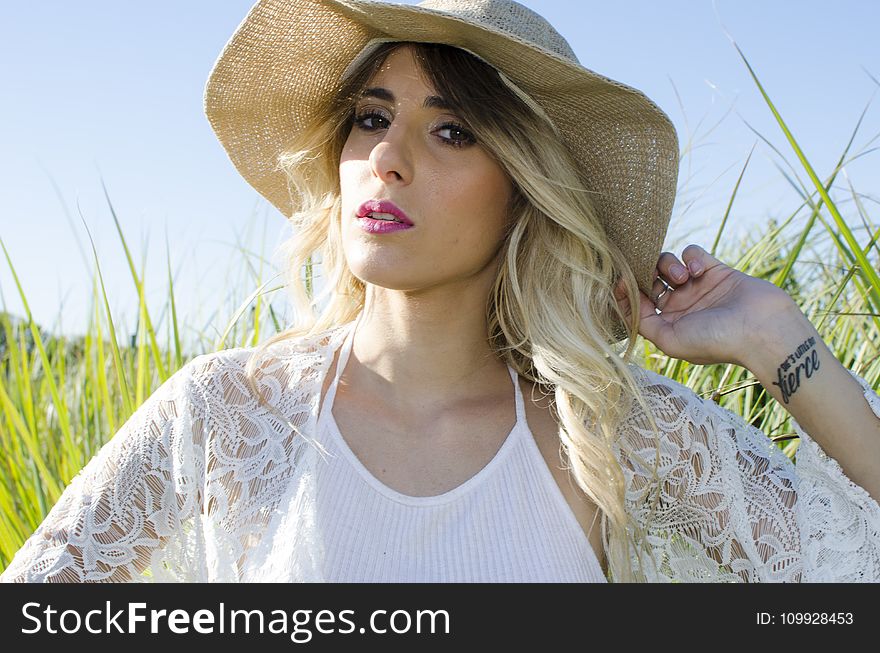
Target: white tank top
[(507, 523)]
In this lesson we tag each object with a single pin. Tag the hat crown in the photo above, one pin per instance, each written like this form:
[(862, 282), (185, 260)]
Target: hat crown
[(512, 18)]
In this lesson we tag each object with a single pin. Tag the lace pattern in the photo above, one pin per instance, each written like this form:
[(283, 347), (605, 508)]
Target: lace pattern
[(203, 483), (731, 507)]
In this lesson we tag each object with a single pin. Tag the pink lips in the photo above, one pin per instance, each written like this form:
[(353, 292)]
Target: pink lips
[(382, 226)]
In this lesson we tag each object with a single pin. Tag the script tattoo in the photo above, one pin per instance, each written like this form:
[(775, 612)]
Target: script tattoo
[(805, 358)]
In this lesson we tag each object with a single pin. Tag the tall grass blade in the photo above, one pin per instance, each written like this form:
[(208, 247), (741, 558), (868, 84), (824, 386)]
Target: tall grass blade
[(730, 203), (178, 353), (157, 358), (127, 399), (866, 268), (60, 406)]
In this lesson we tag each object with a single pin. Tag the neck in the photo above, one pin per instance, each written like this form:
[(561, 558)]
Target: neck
[(419, 353)]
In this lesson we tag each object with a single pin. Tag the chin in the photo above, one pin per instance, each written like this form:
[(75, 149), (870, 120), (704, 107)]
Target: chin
[(381, 267), (384, 277)]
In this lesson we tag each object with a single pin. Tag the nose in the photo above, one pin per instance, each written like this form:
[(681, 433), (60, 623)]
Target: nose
[(391, 159)]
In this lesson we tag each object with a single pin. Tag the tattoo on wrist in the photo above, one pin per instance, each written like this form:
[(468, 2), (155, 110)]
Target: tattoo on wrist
[(805, 358)]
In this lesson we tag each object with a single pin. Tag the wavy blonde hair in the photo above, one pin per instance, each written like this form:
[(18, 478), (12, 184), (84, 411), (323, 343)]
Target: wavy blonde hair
[(551, 311)]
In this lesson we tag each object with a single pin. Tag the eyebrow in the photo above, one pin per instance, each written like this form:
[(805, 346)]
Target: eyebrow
[(431, 102)]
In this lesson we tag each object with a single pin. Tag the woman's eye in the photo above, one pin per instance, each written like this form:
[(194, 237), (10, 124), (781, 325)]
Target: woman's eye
[(456, 135), (371, 121)]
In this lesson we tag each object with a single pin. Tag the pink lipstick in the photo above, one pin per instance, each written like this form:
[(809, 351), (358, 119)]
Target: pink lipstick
[(382, 217)]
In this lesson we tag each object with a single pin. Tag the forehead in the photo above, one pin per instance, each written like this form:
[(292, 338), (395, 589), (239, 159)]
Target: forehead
[(402, 70)]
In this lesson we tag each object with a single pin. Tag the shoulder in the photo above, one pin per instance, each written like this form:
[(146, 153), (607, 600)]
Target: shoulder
[(668, 398), (678, 431), (273, 366), (651, 380), (693, 427)]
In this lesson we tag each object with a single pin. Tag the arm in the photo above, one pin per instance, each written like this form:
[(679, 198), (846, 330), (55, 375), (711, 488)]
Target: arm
[(131, 513), (796, 367)]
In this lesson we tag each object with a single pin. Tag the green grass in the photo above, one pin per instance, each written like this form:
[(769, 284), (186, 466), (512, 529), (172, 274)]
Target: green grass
[(61, 399)]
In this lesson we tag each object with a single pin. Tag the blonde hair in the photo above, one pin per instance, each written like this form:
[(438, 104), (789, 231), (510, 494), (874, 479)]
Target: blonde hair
[(551, 311)]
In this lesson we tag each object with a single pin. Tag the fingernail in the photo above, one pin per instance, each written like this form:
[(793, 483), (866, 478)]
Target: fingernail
[(678, 271), (696, 267)]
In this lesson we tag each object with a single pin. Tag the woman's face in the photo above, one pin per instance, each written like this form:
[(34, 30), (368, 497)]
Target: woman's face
[(408, 148)]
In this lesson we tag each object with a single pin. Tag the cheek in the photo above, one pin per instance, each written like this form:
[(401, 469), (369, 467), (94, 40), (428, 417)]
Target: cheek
[(352, 174), (350, 165), (347, 170), (481, 204)]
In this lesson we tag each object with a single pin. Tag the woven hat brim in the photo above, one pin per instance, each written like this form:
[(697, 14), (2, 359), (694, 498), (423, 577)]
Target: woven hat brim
[(287, 57)]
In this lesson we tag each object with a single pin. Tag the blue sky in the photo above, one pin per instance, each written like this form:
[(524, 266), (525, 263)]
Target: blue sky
[(99, 90)]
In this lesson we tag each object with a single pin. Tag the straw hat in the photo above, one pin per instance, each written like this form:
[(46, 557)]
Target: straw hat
[(288, 56)]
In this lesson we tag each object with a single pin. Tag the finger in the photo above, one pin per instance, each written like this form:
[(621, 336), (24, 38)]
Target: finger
[(660, 292), (698, 260), (671, 269)]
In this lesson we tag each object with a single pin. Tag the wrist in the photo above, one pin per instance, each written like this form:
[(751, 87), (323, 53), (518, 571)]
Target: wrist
[(777, 339)]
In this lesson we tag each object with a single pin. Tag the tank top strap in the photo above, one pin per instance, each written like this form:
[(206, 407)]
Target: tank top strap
[(345, 353), (520, 402)]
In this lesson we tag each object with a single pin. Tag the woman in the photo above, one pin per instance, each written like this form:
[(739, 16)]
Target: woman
[(487, 213)]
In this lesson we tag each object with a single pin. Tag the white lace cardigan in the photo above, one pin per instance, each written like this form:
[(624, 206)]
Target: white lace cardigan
[(202, 483)]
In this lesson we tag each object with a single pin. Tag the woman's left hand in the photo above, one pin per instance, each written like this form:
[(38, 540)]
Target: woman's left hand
[(711, 313)]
